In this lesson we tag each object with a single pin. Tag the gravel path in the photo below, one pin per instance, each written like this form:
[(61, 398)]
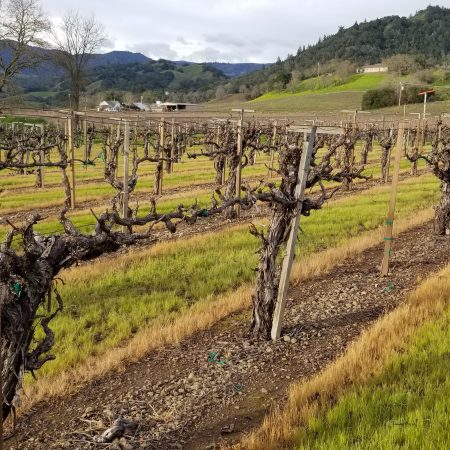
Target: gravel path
[(219, 383)]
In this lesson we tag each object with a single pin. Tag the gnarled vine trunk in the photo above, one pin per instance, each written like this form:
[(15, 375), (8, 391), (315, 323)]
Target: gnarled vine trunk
[(21, 294), (442, 214), (266, 287)]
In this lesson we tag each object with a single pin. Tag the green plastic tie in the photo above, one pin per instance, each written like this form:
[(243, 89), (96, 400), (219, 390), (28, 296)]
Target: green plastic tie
[(390, 222), (212, 358), (17, 288), (203, 213), (388, 239)]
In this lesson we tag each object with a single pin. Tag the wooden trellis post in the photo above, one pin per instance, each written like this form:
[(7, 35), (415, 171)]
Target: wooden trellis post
[(239, 168), (172, 145), (272, 152), (41, 159), (126, 154), (179, 154), (283, 287), (161, 155), (391, 212), (240, 151), (72, 156), (86, 151)]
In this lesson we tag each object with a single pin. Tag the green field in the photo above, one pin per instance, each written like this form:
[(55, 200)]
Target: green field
[(308, 96), (406, 406), (362, 82), (111, 303)]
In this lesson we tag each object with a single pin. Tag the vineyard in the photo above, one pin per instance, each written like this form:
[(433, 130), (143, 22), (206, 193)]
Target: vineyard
[(156, 270)]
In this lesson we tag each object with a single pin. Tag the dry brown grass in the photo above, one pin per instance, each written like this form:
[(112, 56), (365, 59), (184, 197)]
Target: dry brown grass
[(200, 316), (363, 360)]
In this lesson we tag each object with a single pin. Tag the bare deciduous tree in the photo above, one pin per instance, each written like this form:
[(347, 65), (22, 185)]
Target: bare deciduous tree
[(76, 39), (22, 26)]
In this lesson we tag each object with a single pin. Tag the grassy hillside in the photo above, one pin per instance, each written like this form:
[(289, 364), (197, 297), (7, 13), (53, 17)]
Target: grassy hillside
[(358, 83), (310, 96), (406, 406)]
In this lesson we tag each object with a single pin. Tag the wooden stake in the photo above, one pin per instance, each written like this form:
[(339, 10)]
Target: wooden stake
[(72, 156), (352, 156), (126, 154), (391, 212), (239, 168), (283, 287), (85, 140), (117, 140), (161, 154), (41, 159), (172, 145), (240, 150), (272, 152)]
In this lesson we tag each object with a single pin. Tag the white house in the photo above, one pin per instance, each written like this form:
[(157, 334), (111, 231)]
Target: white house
[(374, 68), (110, 106)]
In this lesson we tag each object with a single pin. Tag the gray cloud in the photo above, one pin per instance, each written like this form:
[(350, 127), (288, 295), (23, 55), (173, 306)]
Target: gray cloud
[(235, 30), (108, 44), (155, 50), (224, 39)]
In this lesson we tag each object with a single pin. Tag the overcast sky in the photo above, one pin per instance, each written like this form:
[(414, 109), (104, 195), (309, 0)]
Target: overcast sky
[(226, 30)]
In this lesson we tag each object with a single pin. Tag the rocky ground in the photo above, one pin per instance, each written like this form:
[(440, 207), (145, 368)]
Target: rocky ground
[(219, 383)]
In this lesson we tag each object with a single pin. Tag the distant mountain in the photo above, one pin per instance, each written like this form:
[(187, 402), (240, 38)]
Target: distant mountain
[(230, 70), (237, 69), (118, 71), (117, 57), (155, 76)]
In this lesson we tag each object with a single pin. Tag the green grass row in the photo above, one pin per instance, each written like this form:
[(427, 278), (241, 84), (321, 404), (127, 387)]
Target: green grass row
[(185, 174), (54, 196), (362, 82), (406, 406), (105, 307)]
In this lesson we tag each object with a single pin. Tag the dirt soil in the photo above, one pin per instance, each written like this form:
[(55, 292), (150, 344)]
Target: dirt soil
[(219, 384)]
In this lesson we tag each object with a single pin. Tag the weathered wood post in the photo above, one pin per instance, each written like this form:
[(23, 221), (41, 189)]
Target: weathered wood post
[(126, 154), (391, 212), (159, 165), (272, 151), (86, 146), (72, 160), (240, 151), (172, 146), (286, 268), (41, 158), (117, 141), (239, 168)]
